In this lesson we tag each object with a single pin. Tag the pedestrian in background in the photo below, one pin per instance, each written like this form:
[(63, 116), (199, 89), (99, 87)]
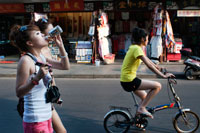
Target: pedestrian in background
[(45, 26), (32, 79), (129, 79)]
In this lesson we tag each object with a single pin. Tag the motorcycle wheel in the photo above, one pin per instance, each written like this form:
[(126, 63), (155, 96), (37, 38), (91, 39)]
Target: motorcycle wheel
[(188, 74)]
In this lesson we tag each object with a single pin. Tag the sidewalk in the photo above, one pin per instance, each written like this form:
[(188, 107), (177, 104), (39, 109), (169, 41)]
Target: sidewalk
[(92, 71)]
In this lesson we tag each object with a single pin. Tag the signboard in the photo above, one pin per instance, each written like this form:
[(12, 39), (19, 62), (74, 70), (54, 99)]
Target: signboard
[(89, 6), (131, 4), (171, 5), (188, 13), (70, 5), (108, 6), (188, 3), (46, 7), (29, 7), (12, 8)]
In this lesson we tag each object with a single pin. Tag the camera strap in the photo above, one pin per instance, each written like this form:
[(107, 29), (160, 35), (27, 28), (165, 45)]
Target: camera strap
[(33, 58)]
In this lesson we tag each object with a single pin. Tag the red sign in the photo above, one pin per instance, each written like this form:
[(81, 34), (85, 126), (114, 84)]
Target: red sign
[(188, 13), (70, 5), (12, 8)]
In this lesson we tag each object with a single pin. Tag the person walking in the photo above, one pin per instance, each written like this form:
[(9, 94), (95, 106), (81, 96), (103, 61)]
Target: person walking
[(128, 78), (32, 80), (45, 26)]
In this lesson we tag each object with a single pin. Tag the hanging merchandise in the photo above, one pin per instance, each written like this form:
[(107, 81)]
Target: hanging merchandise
[(156, 46), (118, 26), (126, 26), (125, 15), (169, 36), (127, 42), (162, 29), (133, 24), (103, 47), (37, 16), (91, 30), (103, 32), (93, 35), (156, 40), (174, 47)]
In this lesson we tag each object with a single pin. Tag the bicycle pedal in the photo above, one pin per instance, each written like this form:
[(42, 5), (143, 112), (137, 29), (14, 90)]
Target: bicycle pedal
[(140, 128)]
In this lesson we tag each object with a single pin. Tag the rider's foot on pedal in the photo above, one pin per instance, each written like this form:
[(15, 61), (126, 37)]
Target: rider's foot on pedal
[(141, 111), (140, 127)]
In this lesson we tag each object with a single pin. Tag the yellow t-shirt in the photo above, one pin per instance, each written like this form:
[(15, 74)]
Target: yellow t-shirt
[(131, 63)]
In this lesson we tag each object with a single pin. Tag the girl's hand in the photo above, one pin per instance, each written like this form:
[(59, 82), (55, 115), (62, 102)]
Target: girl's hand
[(169, 75), (44, 69), (58, 40)]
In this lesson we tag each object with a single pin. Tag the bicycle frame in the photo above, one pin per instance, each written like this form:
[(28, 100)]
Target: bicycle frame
[(175, 104)]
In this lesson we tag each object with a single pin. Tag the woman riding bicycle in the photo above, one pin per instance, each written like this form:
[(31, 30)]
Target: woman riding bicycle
[(130, 81)]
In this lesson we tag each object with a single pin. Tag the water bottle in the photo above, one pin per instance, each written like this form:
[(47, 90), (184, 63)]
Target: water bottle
[(55, 31)]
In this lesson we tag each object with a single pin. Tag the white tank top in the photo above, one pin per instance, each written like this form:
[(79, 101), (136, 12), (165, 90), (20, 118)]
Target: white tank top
[(35, 107)]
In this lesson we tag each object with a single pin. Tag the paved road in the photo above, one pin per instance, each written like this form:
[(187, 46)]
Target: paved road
[(86, 101)]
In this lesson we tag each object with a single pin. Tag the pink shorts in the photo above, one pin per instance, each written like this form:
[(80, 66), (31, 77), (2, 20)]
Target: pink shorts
[(38, 127)]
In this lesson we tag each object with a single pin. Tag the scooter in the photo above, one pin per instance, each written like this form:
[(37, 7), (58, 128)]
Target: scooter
[(192, 68)]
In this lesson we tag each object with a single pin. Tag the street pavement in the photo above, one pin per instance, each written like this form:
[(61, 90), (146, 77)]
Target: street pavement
[(81, 70), (86, 102)]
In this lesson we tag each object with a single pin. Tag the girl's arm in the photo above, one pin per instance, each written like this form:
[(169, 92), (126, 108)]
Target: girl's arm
[(157, 67), (153, 68), (64, 62), (25, 68)]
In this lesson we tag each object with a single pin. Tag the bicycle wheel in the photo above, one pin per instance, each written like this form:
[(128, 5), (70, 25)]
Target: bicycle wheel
[(117, 122), (188, 122)]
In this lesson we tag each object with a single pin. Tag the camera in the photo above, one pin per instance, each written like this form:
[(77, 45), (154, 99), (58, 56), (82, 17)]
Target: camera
[(40, 64), (53, 95)]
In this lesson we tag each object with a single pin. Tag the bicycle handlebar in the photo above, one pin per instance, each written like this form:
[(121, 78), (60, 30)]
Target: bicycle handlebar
[(170, 79)]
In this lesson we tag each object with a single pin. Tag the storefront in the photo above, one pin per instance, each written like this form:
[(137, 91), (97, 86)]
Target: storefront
[(74, 16), (10, 14), (190, 19)]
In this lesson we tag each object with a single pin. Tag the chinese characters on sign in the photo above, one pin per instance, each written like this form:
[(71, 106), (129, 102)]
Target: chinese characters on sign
[(187, 3), (46, 7), (75, 5), (11, 8), (88, 6), (29, 7), (108, 6), (132, 4)]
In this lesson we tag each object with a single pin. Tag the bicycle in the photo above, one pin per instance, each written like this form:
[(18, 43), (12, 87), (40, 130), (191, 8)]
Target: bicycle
[(119, 119)]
